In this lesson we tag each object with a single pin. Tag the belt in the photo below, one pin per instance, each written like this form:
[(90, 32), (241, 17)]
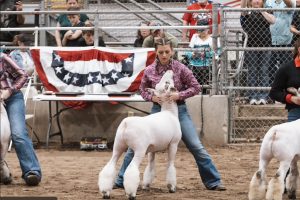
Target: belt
[(180, 102)]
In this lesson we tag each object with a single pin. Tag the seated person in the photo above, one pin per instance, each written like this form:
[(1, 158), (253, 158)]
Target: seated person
[(10, 20), (22, 55), (159, 33), (63, 21), (142, 34), (71, 37), (87, 38)]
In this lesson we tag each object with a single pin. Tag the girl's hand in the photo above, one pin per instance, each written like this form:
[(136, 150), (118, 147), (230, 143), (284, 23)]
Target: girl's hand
[(295, 100)]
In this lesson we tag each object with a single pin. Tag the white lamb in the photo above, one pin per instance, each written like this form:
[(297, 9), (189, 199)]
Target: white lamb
[(5, 175), (149, 134), (283, 143)]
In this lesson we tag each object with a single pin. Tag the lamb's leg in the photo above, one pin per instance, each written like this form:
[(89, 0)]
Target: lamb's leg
[(171, 171), (132, 174), (108, 173), (276, 184), (291, 183), (258, 184), (149, 171)]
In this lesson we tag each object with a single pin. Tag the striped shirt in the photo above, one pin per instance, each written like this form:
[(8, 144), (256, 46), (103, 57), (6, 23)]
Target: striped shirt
[(184, 80), (12, 77)]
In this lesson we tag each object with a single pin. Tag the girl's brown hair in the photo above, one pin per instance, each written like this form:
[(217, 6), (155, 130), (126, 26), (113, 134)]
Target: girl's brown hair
[(162, 41), (296, 48)]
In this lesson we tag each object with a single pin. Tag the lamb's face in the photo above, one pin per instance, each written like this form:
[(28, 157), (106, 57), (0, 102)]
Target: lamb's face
[(166, 84)]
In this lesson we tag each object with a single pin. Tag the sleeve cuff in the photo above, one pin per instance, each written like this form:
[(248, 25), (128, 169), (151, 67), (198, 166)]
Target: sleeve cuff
[(288, 98)]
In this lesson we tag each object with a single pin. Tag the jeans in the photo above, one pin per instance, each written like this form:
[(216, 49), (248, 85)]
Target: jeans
[(207, 170), (293, 114), (15, 108), (257, 63)]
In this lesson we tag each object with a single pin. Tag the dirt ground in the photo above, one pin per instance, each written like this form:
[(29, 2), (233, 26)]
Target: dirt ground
[(70, 174)]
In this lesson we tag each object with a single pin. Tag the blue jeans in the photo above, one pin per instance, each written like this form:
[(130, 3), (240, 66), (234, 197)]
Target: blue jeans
[(293, 114), (207, 170), (15, 108), (257, 63)]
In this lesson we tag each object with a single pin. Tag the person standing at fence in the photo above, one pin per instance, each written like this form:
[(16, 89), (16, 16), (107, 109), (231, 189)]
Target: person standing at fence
[(142, 34), (187, 86), (10, 20), (12, 79), (200, 59), (71, 37), (280, 32), (295, 27), (192, 18), (22, 55), (63, 21), (287, 76), (257, 26)]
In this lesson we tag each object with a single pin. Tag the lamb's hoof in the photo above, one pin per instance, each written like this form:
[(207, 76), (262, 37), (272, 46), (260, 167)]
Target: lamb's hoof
[(292, 194), (172, 188), (105, 195), (6, 180), (130, 197), (146, 187)]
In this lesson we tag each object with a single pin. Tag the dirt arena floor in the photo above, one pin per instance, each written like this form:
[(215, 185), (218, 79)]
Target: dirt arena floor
[(70, 174)]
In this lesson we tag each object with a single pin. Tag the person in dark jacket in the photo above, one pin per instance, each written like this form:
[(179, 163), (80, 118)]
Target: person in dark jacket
[(288, 75)]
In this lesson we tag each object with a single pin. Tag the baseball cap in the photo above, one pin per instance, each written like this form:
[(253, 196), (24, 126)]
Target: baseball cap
[(155, 24), (202, 22)]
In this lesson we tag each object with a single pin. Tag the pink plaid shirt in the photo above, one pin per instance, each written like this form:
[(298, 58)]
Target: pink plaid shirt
[(184, 80), (12, 77)]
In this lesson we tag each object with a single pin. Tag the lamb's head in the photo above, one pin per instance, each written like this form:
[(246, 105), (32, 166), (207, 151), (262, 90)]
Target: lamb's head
[(166, 84), (294, 91)]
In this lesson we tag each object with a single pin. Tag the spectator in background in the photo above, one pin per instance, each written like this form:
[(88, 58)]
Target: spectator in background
[(280, 32), (142, 34), (200, 60), (192, 18), (287, 76), (22, 56), (159, 33), (12, 80), (10, 20), (295, 27), (63, 21), (257, 26), (87, 38), (71, 37)]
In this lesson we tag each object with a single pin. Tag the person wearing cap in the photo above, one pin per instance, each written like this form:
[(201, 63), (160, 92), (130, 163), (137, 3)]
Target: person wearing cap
[(157, 33), (22, 55), (257, 26), (201, 58), (190, 19)]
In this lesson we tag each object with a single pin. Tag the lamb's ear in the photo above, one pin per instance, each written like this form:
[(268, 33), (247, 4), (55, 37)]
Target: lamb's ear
[(292, 90)]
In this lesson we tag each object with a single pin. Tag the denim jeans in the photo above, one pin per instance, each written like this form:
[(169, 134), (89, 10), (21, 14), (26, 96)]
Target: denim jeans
[(257, 63), (207, 170), (293, 114), (15, 108)]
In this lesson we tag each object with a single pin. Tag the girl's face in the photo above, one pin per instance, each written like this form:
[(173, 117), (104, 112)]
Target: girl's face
[(203, 33), (257, 3), (164, 53), (144, 32)]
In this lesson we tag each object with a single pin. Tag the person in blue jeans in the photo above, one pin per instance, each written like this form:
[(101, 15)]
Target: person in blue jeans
[(187, 86), (12, 79)]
